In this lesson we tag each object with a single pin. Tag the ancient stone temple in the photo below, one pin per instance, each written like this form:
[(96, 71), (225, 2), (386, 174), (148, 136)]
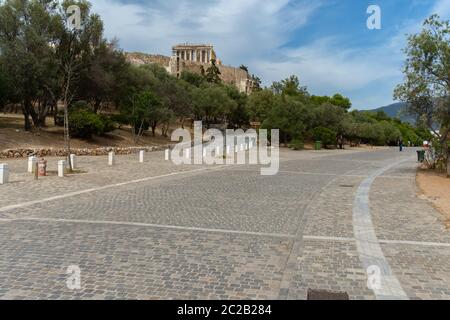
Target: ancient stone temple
[(201, 53), (195, 58)]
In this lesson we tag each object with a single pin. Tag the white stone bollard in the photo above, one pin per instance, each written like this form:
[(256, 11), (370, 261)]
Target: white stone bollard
[(73, 161), (167, 154), (111, 158), (62, 168), (4, 173), (32, 164), (141, 156)]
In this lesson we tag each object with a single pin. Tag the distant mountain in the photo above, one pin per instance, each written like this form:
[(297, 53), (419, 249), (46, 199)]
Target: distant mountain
[(395, 110)]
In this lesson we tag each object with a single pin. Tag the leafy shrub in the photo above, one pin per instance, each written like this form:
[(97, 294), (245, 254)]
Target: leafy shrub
[(108, 123), (296, 144), (84, 123), (327, 136)]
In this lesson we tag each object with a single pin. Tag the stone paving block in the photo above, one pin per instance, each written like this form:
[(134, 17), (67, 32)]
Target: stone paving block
[(331, 266), (122, 262)]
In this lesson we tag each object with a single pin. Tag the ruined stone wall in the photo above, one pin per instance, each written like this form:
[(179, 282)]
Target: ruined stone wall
[(229, 75), (232, 75), (142, 58)]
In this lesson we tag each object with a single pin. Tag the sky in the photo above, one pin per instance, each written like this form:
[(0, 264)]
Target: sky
[(326, 43)]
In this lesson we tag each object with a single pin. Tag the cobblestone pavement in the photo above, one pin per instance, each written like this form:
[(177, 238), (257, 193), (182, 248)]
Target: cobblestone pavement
[(160, 231)]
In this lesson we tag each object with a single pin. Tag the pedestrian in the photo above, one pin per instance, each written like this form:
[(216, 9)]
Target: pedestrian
[(400, 145), (341, 142)]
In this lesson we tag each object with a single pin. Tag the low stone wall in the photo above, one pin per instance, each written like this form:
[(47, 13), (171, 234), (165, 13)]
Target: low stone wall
[(138, 58), (21, 153)]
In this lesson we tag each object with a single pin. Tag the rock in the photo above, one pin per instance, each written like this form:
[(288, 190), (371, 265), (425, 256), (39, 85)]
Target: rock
[(102, 151)]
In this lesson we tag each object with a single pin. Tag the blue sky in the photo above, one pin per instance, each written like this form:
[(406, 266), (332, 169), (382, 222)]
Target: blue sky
[(324, 42)]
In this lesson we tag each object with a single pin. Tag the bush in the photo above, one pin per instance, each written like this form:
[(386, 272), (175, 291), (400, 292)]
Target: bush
[(84, 123), (327, 136), (296, 144), (108, 123)]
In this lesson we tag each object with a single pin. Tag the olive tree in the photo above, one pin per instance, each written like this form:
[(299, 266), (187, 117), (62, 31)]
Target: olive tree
[(426, 87)]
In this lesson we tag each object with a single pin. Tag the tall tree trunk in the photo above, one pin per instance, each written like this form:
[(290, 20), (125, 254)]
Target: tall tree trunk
[(97, 104), (26, 115), (43, 112), (33, 113), (446, 149)]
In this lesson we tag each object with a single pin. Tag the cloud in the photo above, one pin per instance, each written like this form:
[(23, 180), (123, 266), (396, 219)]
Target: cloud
[(324, 63), (367, 74), (442, 7), (238, 29), (255, 34)]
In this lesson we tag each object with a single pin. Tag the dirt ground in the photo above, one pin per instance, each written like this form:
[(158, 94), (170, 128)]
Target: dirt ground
[(436, 188), (13, 136)]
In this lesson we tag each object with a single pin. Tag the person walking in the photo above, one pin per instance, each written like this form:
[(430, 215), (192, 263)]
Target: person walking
[(400, 145), (340, 142)]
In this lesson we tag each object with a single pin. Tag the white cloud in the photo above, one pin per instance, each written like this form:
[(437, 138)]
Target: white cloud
[(367, 75), (324, 64), (253, 33), (240, 30), (442, 7)]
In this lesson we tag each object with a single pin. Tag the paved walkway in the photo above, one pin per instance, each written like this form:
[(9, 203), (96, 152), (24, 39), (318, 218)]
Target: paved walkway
[(158, 231)]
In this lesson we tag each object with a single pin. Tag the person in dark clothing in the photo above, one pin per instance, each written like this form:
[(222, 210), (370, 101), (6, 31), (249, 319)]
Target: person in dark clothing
[(400, 145), (341, 142)]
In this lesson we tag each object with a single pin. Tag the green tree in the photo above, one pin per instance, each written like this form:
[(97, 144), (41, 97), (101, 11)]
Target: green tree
[(289, 86), (28, 29), (256, 83), (290, 116), (336, 100), (325, 135), (213, 73), (192, 78), (259, 104), (6, 89), (103, 74), (44, 58), (426, 87), (330, 116), (237, 116), (143, 109), (211, 104), (341, 101)]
